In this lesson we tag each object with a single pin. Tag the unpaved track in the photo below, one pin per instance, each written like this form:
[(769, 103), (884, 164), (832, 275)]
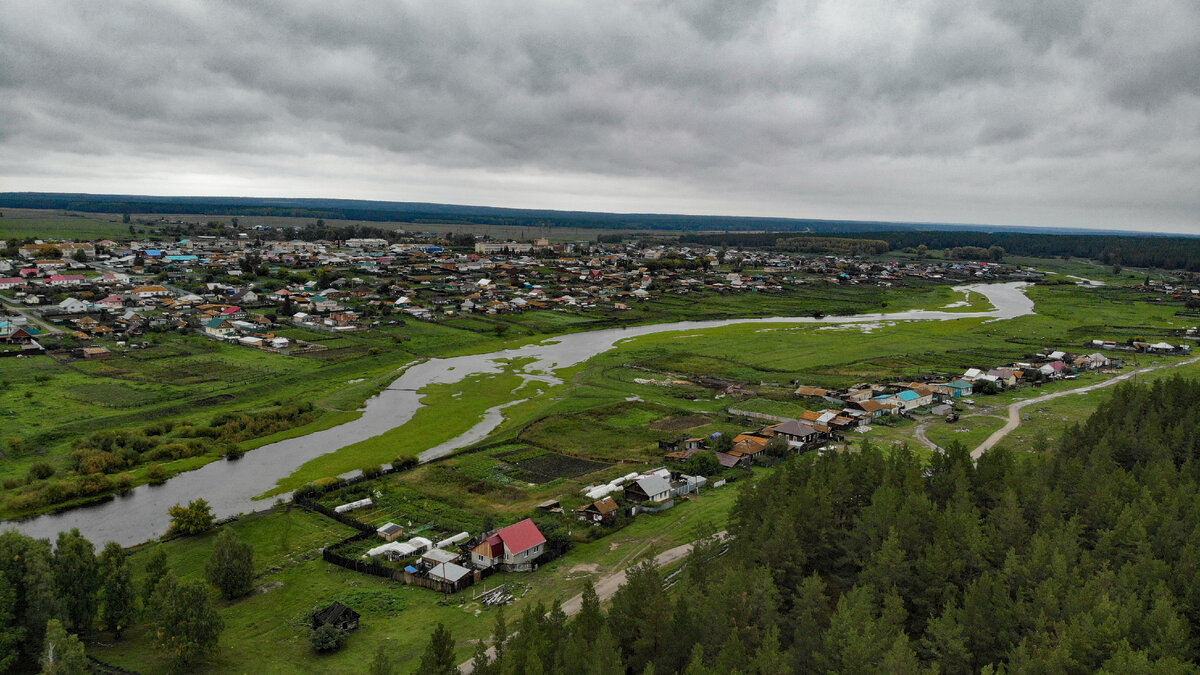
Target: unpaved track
[(605, 588), (1014, 410)]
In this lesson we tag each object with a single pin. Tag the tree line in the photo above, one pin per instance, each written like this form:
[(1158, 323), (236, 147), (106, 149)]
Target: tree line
[(1161, 252), (49, 596), (1082, 558)]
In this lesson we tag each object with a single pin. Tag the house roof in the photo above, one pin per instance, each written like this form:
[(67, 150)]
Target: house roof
[(449, 572), (793, 428), (521, 536), (652, 485), (909, 395), (727, 460), (335, 613), (603, 507), (871, 405), (437, 555)]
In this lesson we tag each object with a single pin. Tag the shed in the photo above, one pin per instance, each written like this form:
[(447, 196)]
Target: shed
[(336, 615), (450, 573), (390, 532)]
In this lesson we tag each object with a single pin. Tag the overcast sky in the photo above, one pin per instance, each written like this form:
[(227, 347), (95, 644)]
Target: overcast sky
[(1020, 112)]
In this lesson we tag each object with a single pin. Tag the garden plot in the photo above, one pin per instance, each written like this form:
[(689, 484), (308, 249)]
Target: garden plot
[(541, 466)]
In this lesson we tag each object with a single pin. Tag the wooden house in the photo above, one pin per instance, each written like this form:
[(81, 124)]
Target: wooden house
[(337, 615), (602, 511)]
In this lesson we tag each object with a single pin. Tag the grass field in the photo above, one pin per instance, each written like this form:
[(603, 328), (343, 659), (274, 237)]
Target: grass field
[(22, 223), (293, 580)]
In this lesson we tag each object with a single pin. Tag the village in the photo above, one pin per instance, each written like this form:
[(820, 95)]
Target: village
[(432, 556), (105, 294)]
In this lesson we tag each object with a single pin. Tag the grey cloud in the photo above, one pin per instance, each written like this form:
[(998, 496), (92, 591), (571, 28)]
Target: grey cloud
[(880, 110)]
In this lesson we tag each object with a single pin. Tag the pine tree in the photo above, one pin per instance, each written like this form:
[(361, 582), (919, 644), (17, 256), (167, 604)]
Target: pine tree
[(231, 566), (116, 590), (590, 618), (809, 619), (438, 658), (480, 663), (76, 574), (945, 643), (500, 632), (62, 652), (696, 663)]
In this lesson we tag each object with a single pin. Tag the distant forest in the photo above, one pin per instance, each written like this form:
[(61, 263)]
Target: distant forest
[(806, 235), (1163, 252), (1081, 558), (419, 212)]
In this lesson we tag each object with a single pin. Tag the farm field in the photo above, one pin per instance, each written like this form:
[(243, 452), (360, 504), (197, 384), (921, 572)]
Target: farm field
[(22, 223)]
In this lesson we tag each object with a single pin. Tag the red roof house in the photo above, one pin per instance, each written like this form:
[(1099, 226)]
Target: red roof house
[(513, 545)]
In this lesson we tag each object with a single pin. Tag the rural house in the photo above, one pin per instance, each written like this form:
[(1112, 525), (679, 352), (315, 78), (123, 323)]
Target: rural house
[(795, 433), (652, 488), (602, 511), (517, 544)]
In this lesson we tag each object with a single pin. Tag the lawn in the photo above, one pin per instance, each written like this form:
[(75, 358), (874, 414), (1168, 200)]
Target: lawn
[(970, 430)]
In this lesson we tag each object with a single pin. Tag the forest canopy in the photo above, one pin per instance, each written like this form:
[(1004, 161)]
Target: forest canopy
[(1077, 559)]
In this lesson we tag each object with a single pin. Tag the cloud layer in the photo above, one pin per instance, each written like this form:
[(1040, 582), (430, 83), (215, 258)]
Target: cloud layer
[(998, 111)]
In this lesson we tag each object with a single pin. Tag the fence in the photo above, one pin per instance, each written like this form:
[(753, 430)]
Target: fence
[(759, 416), (634, 510)]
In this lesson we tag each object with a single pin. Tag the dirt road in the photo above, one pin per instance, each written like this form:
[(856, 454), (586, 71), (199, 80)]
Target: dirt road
[(1014, 410), (605, 588)]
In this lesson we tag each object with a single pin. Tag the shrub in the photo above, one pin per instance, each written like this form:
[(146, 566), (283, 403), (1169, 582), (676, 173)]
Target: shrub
[(40, 471), (89, 461), (194, 518), (94, 484), (372, 471), (403, 463), (157, 474), (327, 638), (123, 481)]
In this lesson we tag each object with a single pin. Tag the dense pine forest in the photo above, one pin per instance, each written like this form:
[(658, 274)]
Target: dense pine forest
[(1081, 558)]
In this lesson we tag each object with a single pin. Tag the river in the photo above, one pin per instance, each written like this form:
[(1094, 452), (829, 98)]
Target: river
[(230, 486)]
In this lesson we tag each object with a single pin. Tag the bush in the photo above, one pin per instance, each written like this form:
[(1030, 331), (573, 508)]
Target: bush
[(156, 474), (403, 463), (40, 471), (194, 518), (327, 638), (372, 471)]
